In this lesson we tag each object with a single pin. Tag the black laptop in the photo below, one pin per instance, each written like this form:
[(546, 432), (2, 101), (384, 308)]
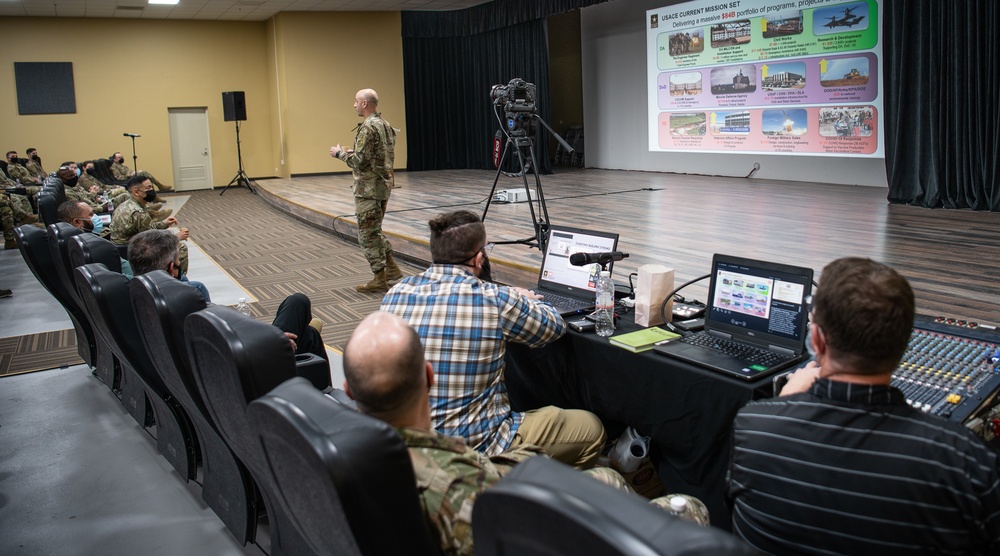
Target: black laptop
[(755, 322), (572, 289)]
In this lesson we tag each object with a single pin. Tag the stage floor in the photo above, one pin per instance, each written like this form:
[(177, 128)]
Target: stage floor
[(949, 256)]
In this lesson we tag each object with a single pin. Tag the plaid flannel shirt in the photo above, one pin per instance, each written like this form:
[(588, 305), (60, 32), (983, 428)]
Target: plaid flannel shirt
[(465, 325)]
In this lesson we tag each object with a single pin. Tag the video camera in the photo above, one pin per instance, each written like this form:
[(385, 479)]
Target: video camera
[(517, 100)]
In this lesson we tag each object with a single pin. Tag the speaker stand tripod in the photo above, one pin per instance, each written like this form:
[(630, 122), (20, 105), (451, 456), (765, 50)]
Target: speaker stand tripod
[(241, 178)]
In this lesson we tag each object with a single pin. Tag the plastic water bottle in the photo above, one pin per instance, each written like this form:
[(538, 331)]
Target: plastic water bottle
[(242, 307), (604, 312), (679, 507)]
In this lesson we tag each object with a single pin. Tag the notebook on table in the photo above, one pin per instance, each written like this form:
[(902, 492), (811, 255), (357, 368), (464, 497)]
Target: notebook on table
[(572, 289), (755, 322)]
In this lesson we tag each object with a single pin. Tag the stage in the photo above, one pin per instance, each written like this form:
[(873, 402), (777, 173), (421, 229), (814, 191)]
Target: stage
[(949, 256)]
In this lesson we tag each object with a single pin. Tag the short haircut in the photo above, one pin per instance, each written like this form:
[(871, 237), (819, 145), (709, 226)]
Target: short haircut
[(456, 237), (134, 182), (68, 210), (385, 369), (29, 150), (9, 153), (152, 250), (865, 310), (66, 164), (370, 95)]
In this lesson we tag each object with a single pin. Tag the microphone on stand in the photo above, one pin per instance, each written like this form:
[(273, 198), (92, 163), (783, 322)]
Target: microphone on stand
[(131, 135), (581, 259)]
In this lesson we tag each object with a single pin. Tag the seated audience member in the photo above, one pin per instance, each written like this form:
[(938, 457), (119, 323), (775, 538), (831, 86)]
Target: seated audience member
[(7, 222), (465, 322), (19, 204), (118, 195), (388, 377), (133, 216), (80, 215), (34, 163), (69, 175), (123, 172), (840, 463), (17, 171), (159, 250)]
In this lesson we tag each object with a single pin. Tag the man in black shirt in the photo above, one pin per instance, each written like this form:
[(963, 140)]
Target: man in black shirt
[(840, 463)]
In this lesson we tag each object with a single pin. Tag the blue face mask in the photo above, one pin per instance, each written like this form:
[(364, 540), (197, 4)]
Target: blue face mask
[(809, 346), (77, 172), (98, 224)]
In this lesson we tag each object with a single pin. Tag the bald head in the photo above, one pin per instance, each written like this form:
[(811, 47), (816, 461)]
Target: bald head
[(366, 102), (385, 370)]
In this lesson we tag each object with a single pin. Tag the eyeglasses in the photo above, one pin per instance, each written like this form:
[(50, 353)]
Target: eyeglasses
[(488, 248)]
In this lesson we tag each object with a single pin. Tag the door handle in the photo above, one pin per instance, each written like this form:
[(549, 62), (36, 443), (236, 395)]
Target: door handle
[(204, 152)]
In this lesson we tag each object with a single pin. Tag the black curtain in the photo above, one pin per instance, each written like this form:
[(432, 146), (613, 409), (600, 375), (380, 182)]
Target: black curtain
[(942, 102), (451, 61)]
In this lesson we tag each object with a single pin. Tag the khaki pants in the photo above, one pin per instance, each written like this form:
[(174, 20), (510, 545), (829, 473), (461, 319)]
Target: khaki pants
[(572, 436)]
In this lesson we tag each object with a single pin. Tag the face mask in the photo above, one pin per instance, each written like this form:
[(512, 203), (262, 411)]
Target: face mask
[(35, 157), (486, 272), (12, 160), (809, 346), (150, 196), (72, 181), (96, 224), (77, 172), (90, 171), (88, 225)]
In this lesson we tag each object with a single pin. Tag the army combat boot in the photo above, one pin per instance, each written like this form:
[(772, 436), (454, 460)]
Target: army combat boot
[(377, 285), (158, 215), (392, 272)]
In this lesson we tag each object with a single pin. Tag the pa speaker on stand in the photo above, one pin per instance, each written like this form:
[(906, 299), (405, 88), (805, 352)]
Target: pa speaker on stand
[(234, 109)]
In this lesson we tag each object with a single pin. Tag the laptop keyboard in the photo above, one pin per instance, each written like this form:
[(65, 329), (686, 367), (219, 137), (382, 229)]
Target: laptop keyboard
[(739, 350), (565, 303)]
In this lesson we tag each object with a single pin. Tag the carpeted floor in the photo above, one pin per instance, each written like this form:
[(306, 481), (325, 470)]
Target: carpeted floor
[(273, 255), (35, 352)]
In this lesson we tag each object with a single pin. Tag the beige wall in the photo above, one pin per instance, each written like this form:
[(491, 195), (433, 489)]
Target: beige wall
[(127, 73), (325, 58)]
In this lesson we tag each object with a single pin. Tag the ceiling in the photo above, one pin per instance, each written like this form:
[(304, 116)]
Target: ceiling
[(233, 10)]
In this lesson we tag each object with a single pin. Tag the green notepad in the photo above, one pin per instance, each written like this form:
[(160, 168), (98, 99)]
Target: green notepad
[(642, 340)]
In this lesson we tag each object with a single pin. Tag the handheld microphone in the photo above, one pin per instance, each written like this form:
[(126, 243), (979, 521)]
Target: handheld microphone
[(581, 259), (131, 135)]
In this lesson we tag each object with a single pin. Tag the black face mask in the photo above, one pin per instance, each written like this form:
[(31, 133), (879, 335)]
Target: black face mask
[(72, 181), (12, 160), (150, 196), (90, 171), (35, 157), (486, 272)]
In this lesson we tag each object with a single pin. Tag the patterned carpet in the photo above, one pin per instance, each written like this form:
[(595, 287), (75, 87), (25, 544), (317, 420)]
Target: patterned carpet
[(36, 352), (273, 255)]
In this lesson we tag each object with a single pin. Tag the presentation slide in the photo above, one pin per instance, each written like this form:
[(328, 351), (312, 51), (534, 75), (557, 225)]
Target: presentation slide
[(766, 76)]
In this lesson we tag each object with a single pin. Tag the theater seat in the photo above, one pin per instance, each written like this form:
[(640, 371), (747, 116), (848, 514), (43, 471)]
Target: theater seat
[(84, 249), (33, 244), (543, 507), (344, 477), (106, 296), (235, 360), (161, 304)]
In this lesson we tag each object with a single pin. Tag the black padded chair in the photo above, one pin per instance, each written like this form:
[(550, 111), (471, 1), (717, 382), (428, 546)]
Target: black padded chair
[(161, 303), (106, 296), (48, 206), (543, 507), (60, 235), (85, 249), (236, 360), (102, 171), (343, 475), (34, 246)]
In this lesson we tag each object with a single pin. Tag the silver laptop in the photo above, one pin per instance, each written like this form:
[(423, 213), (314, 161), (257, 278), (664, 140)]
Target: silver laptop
[(755, 322), (571, 289)]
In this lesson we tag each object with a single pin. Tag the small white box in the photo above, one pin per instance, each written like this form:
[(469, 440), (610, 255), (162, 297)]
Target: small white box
[(512, 196)]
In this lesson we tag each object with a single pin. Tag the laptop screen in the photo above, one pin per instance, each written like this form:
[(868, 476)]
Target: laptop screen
[(759, 301), (557, 274)]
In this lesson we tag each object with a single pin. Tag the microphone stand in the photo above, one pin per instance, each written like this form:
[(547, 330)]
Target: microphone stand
[(135, 164)]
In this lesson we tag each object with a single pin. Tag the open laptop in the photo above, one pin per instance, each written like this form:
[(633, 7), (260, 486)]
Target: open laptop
[(572, 289), (755, 322)]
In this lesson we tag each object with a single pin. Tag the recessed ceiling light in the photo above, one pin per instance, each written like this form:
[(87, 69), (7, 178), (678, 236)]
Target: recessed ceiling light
[(165, 2)]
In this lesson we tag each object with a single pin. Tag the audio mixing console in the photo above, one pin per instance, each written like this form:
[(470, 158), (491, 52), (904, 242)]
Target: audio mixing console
[(952, 369)]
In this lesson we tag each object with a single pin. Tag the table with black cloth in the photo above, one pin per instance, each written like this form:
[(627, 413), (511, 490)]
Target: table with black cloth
[(687, 411)]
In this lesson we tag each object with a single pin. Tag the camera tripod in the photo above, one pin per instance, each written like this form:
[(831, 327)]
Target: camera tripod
[(522, 144), (241, 177)]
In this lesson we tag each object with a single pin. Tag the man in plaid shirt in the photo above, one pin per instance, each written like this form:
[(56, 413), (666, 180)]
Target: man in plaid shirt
[(464, 323)]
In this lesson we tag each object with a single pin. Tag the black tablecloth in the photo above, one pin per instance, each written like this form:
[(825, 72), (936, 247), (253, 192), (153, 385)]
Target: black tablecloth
[(687, 411)]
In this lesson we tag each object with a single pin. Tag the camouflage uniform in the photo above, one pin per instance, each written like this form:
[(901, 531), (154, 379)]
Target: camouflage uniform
[(131, 218), (35, 168), (371, 163), (696, 509), (121, 172), (7, 221), (117, 194), (19, 203), (78, 193), (450, 476), (19, 172)]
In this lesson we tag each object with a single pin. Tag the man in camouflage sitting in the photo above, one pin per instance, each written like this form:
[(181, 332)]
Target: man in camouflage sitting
[(122, 172), (133, 217), (388, 377)]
